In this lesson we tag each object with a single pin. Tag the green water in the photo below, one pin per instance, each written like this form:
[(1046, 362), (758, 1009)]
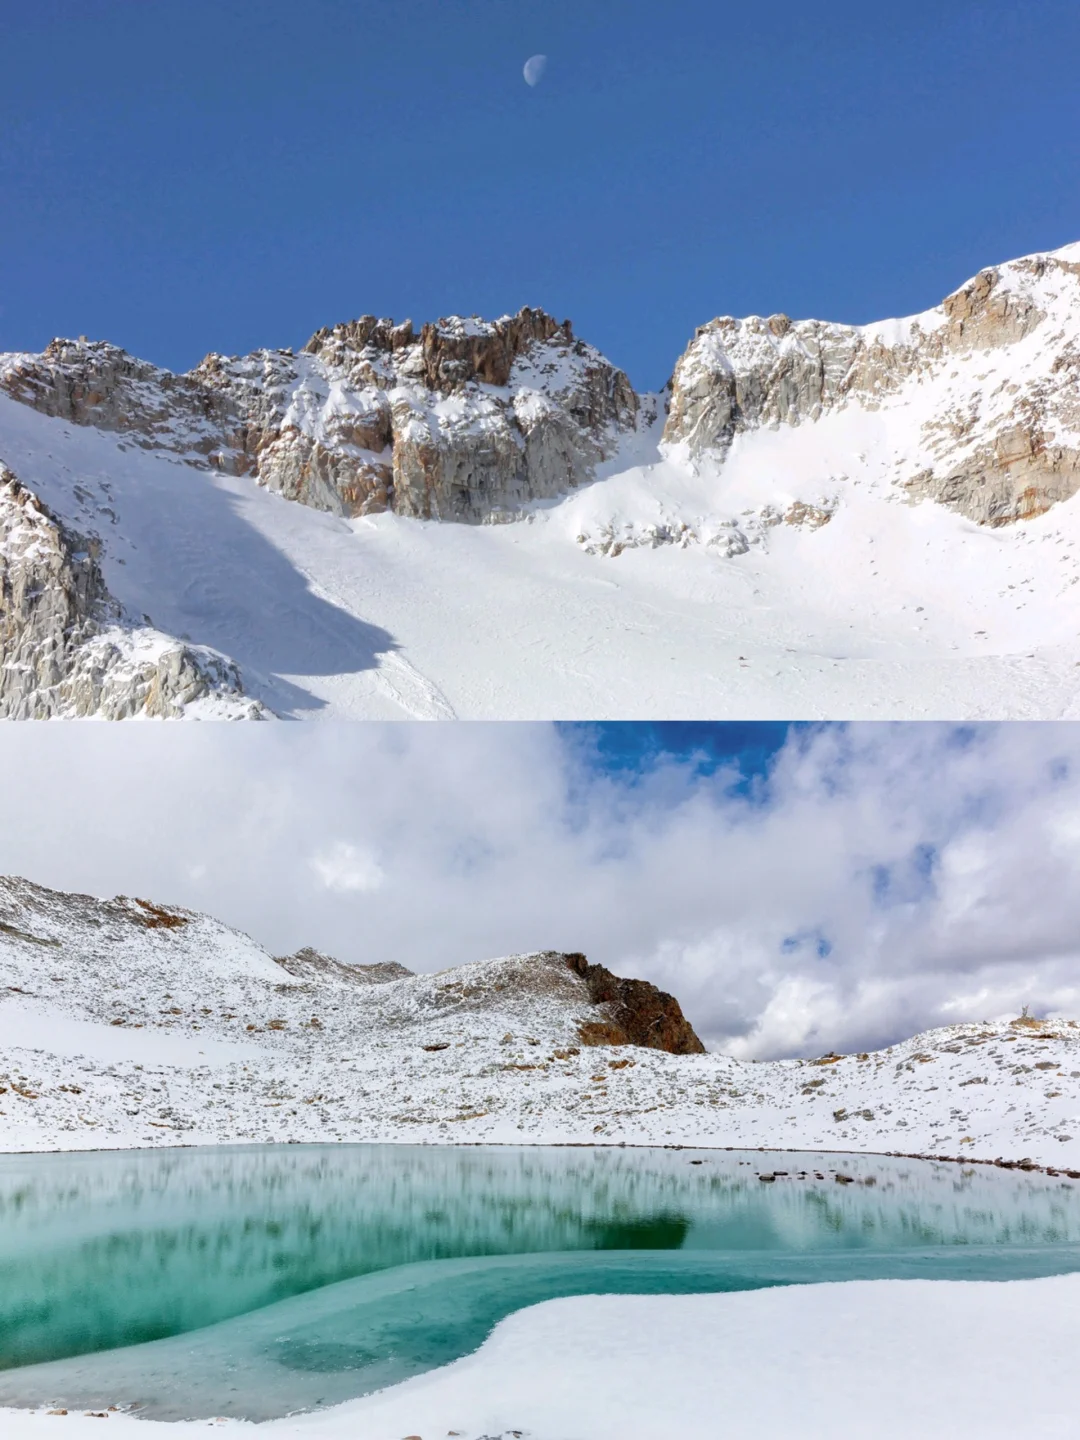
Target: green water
[(257, 1281)]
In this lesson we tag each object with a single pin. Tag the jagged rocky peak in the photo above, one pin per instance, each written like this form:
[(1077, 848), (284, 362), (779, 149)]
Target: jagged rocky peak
[(473, 420), (66, 647), (467, 420), (453, 351)]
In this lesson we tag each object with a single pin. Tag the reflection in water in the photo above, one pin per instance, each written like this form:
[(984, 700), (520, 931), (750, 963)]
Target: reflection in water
[(659, 1232), (352, 1266)]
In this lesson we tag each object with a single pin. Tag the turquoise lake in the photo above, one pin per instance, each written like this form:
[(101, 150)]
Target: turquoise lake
[(258, 1281)]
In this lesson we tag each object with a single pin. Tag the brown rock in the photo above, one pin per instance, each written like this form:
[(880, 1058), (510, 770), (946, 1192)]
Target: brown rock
[(454, 353), (638, 1013)]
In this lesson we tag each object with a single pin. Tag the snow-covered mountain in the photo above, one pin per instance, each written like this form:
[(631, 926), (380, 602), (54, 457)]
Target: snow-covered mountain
[(812, 519), (126, 1022)]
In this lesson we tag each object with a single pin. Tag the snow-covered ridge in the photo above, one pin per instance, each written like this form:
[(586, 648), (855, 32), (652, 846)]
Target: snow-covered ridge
[(464, 420), (127, 1022), (468, 419), (978, 399)]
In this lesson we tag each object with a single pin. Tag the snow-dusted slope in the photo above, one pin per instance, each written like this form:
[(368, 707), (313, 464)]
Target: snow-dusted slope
[(815, 521), (129, 1023), (69, 649)]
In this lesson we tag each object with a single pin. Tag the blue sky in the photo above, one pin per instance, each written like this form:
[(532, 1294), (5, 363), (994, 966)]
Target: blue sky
[(222, 174), (748, 749), (837, 887)]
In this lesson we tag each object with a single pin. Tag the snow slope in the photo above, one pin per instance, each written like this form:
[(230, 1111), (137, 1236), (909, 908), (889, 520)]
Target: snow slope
[(128, 1024), (892, 1359), (827, 560)]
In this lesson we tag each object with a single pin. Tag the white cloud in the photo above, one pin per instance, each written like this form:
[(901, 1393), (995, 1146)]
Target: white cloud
[(890, 877), (345, 867)]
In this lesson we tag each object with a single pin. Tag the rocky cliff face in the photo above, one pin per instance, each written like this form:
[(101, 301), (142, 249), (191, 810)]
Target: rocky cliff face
[(65, 647), (90, 382), (984, 389), (467, 420)]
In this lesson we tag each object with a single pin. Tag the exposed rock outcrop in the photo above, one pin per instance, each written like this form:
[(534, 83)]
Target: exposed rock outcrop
[(990, 379), (90, 382), (469, 420), (66, 648), (635, 1012)]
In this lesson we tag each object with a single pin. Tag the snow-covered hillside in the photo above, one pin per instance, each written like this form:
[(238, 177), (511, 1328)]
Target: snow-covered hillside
[(813, 520), (127, 1023)]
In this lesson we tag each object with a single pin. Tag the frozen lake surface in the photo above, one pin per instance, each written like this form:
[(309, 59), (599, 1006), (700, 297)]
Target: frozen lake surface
[(259, 1281)]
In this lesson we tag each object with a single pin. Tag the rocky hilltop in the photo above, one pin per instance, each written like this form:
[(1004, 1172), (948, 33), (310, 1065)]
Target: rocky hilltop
[(100, 952), (131, 1022)]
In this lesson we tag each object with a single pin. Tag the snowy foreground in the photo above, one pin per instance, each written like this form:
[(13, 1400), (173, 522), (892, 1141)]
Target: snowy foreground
[(888, 1359), (130, 1024)]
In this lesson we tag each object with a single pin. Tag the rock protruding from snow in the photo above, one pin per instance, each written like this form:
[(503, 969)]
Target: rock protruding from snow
[(989, 381), (66, 648), (311, 964), (637, 1012), (90, 382)]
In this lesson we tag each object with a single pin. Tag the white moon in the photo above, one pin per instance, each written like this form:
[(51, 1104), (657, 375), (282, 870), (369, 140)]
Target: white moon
[(534, 69)]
